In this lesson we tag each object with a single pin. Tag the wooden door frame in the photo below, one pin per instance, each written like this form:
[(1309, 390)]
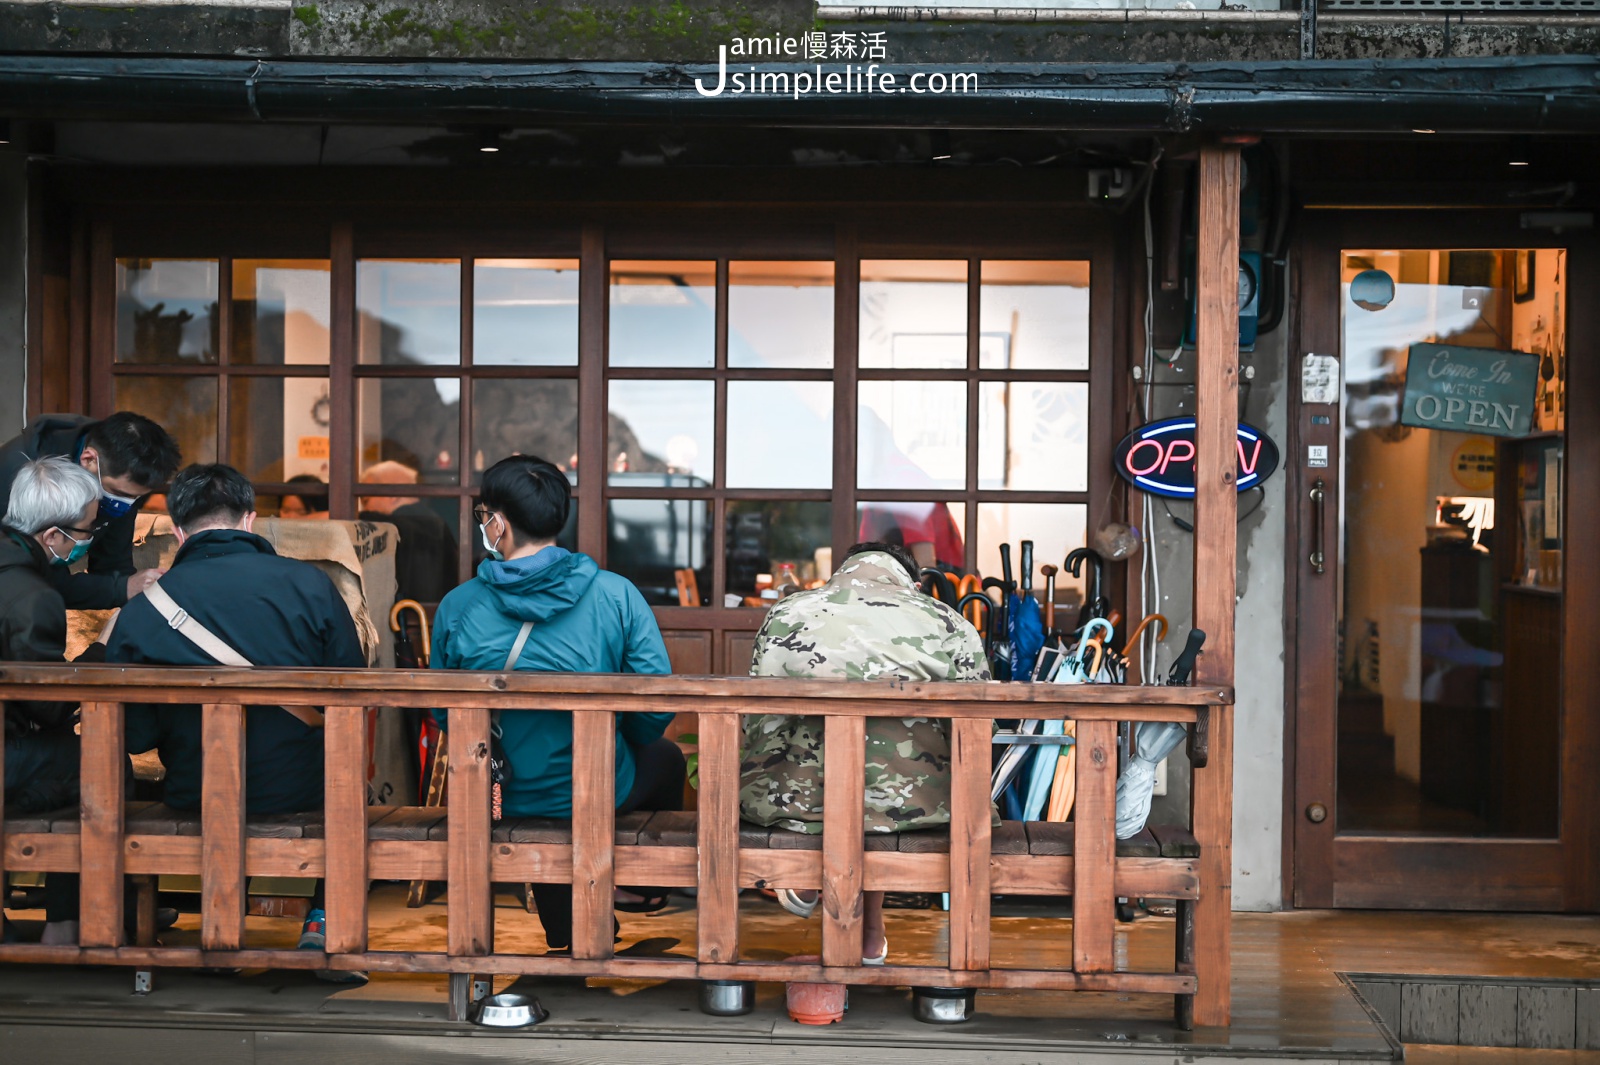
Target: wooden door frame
[(1560, 874)]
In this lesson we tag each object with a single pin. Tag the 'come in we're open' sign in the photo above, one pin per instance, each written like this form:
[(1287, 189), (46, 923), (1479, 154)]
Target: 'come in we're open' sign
[(1470, 390)]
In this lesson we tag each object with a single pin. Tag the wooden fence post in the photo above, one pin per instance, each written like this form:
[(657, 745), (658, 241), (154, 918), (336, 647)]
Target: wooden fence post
[(717, 900), (345, 812), (471, 907), (844, 776), (594, 819), (1094, 848), (970, 832), (1216, 509), (100, 861), (222, 799)]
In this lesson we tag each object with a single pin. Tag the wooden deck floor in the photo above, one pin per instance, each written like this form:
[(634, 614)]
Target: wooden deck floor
[(1289, 1001)]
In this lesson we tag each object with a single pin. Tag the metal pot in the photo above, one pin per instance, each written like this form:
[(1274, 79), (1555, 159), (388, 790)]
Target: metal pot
[(943, 1005)]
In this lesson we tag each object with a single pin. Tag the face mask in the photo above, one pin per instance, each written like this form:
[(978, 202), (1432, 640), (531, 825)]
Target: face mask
[(79, 549), (114, 506), (494, 552)]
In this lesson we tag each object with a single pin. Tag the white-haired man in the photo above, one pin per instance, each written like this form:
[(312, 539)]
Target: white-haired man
[(49, 522)]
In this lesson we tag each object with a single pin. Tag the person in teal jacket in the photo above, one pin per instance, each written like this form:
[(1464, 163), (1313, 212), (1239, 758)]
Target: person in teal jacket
[(584, 620)]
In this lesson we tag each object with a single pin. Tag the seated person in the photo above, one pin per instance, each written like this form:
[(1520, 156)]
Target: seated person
[(129, 456), (545, 609), (49, 523), (425, 563), (269, 610), (310, 502), (868, 622)]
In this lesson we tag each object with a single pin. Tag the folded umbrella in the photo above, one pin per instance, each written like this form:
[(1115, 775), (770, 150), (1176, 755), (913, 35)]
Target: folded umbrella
[(1027, 624)]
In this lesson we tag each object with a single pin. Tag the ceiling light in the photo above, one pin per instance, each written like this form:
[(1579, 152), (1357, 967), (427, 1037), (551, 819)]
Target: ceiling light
[(5, 131), (489, 140), (1518, 162), (1424, 131)]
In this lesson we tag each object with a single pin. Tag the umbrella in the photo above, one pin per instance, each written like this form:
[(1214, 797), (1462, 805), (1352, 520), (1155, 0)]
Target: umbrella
[(1000, 628), (1053, 778), (1027, 627), (1095, 604)]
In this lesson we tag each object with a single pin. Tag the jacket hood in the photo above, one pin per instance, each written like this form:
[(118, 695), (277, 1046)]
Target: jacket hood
[(18, 550), (530, 589), (210, 543)]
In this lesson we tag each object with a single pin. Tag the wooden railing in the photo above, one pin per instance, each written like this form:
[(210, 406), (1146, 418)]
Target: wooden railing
[(224, 854)]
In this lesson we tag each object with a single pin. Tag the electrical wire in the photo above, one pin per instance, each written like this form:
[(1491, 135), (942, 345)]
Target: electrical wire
[(1149, 568)]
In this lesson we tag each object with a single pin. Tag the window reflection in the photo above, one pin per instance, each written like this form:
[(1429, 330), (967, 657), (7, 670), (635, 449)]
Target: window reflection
[(167, 311), (409, 311), (1034, 315), (426, 560), (662, 427), (649, 541), (932, 532), (913, 314), (663, 313), (763, 536), (780, 315), (1054, 528), (912, 434), (525, 312), (524, 418), (185, 406), (414, 421), (1033, 436), (278, 427), (280, 312), (780, 434)]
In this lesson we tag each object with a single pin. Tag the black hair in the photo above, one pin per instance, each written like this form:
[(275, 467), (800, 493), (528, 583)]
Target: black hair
[(131, 445), (203, 492), (314, 501), (894, 551), (533, 494)]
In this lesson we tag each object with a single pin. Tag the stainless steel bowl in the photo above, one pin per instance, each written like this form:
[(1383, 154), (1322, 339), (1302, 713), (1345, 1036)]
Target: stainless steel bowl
[(943, 1005), (510, 1011), (727, 998)]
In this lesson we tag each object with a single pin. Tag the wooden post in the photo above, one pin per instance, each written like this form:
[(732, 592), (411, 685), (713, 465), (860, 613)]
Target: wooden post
[(970, 831), (345, 813), (594, 818), (100, 860), (471, 907), (1215, 562), (718, 876), (844, 793), (1094, 894), (222, 799)]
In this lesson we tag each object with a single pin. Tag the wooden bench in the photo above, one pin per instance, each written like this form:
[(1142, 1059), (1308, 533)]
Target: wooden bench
[(350, 843)]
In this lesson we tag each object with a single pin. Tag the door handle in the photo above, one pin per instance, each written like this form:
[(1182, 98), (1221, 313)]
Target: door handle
[(1319, 495)]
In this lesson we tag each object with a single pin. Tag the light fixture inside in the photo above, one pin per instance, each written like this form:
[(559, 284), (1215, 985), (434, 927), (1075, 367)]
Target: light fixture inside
[(1518, 162), (489, 140), (5, 131), (1423, 131)]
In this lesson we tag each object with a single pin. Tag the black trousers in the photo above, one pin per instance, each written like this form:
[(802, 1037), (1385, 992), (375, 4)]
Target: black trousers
[(658, 777)]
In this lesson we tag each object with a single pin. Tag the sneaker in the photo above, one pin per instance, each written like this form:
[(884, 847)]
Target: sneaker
[(314, 936), (1135, 787)]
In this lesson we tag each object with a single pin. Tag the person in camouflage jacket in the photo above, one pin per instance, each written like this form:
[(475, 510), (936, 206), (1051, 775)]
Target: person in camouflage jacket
[(870, 621)]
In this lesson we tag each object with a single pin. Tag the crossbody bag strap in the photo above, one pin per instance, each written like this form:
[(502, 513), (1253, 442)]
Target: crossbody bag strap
[(511, 663), (187, 626)]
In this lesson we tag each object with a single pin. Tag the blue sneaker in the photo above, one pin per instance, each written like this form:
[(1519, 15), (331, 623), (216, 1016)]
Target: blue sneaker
[(313, 936)]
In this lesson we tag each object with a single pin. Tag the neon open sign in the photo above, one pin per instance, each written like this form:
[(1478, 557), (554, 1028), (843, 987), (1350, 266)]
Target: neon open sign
[(1159, 457)]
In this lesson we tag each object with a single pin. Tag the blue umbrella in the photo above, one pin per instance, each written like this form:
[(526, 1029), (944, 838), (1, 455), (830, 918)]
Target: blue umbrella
[(1025, 619)]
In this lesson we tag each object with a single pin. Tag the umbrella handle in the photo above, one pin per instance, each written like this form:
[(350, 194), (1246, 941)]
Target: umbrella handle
[(1161, 628), (1097, 645), (422, 623)]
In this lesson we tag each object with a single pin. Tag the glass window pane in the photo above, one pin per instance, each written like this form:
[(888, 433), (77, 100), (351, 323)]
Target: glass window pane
[(662, 427), (278, 427), (524, 418), (914, 314), (427, 559), (1054, 528), (409, 311), (167, 310), (780, 434), (934, 533), (525, 312), (1033, 436), (763, 535), (649, 540), (1034, 316), (185, 406), (780, 315), (414, 423), (912, 434), (663, 313), (280, 312)]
